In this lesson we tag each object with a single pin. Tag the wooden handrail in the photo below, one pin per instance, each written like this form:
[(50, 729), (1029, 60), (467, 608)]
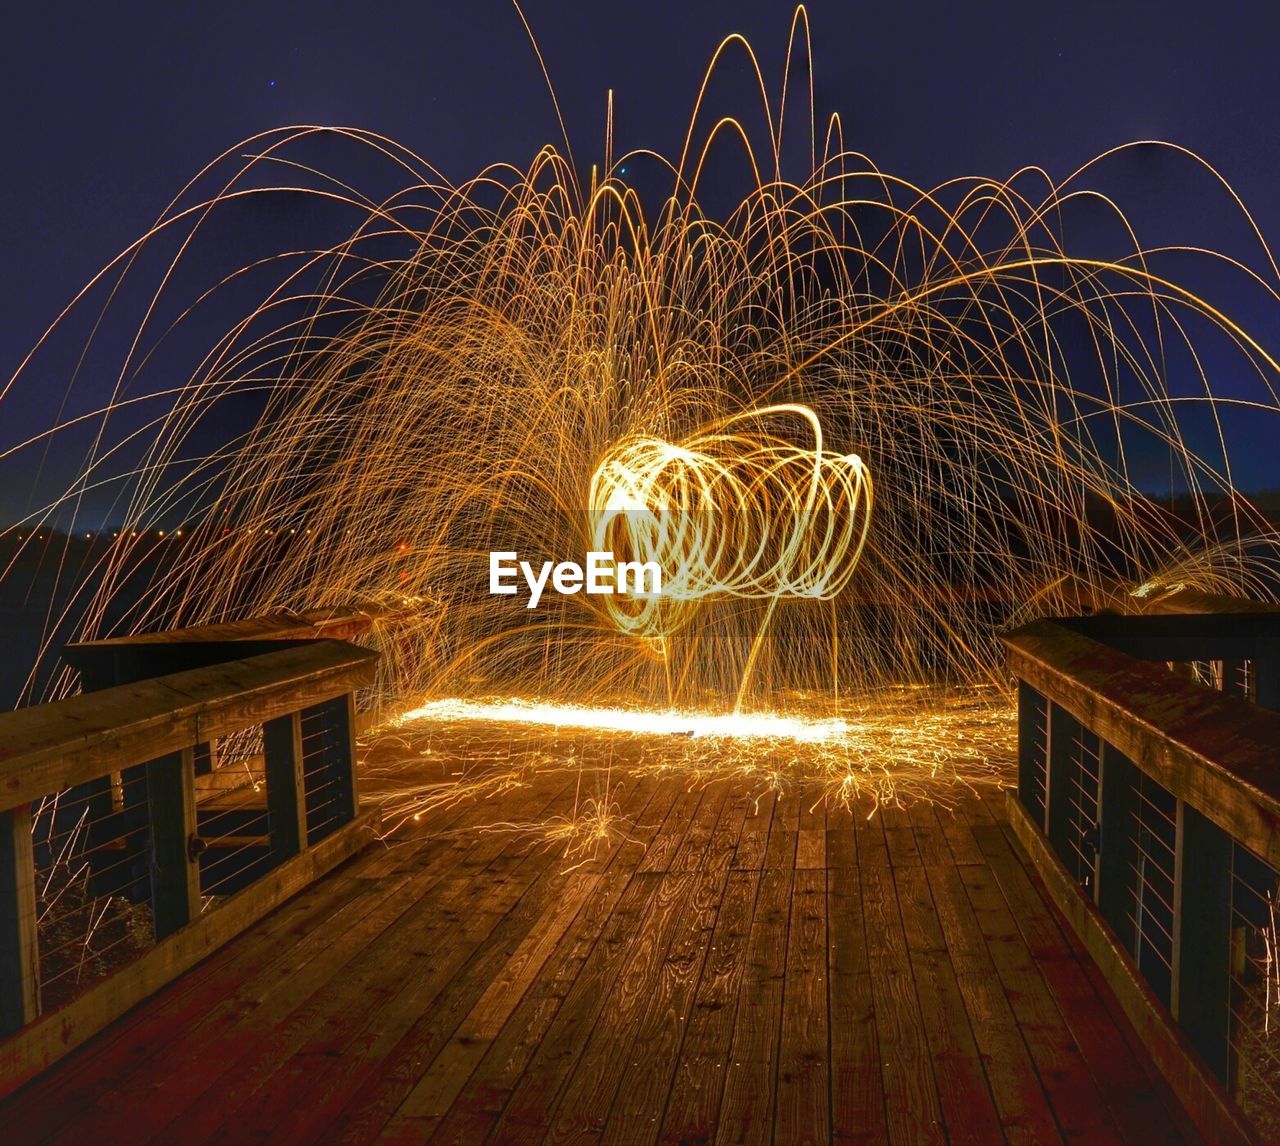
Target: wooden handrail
[(1149, 801), (1219, 754), (52, 747), (336, 623)]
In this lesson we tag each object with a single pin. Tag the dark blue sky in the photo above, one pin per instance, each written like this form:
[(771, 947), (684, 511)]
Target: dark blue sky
[(110, 108)]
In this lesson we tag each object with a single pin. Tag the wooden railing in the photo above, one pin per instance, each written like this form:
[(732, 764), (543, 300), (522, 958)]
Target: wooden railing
[(144, 824), (1149, 800)]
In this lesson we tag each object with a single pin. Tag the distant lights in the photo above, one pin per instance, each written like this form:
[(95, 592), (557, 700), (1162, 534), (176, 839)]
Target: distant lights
[(182, 532)]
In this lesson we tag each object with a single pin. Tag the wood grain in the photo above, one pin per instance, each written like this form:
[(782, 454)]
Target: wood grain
[(714, 974)]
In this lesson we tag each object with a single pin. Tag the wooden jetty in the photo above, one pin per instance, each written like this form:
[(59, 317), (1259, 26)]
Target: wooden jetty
[(1090, 958)]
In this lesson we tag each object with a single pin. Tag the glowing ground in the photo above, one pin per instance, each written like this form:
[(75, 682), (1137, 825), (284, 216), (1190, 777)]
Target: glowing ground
[(897, 745)]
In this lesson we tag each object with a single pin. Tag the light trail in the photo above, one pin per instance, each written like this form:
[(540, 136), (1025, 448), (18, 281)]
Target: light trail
[(632, 721)]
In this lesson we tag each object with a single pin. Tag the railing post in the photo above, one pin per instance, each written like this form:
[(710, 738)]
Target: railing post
[(330, 743), (1117, 846), (1062, 731), (175, 866), (286, 792), (344, 739), (1032, 774), (1201, 987), (19, 948)]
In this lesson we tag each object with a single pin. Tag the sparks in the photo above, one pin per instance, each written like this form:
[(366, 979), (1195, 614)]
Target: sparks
[(729, 726)]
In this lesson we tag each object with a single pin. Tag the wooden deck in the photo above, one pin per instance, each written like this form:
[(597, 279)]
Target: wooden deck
[(733, 972)]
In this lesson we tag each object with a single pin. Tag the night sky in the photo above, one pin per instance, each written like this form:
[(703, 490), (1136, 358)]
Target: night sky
[(110, 108)]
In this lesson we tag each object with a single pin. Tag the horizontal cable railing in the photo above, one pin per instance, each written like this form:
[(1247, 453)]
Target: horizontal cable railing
[(131, 815), (1149, 769)]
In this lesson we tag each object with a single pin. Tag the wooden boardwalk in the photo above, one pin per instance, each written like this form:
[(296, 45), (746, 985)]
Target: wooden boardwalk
[(733, 972)]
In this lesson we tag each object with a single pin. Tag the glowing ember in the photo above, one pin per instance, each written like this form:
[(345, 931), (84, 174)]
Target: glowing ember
[(729, 726)]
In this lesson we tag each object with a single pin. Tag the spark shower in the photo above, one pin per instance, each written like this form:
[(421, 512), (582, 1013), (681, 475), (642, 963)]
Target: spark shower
[(558, 359)]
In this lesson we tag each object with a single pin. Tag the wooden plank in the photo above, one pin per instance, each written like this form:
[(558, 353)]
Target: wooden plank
[(968, 1108), (56, 1034), (243, 1043), (435, 1091), (1073, 1094), (609, 986), (693, 848), (1095, 1022), (334, 623), (723, 848), (19, 937), (912, 1109), (530, 962), (657, 1048), (784, 833), (1020, 1101), (595, 988), (131, 1044), (803, 1102), (899, 837), (664, 847), (55, 746), (341, 1036), (857, 1092), (537, 1037), (698, 1085), (811, 833), (418, 978), (754, 839), (483, 1096), (587, 1100), (417, 1025), (268, 951), (958, 835), (429, 1100), (748, 1102)]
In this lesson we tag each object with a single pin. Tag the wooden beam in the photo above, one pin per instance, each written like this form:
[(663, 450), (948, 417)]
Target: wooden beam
[(286, 796), (56, 746), (1202, 951), (19, 947), (49, 1038), (1062, 732), (175, 868), (1033, 772), (344, 720)]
